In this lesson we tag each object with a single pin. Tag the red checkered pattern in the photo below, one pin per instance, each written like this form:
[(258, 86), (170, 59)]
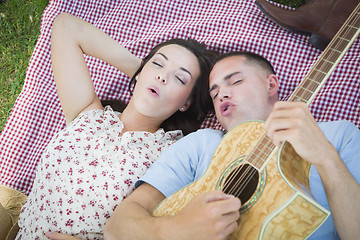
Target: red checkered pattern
[(140, 25)]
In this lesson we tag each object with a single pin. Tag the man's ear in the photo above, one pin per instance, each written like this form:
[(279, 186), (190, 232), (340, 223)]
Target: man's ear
[(273, 82), (186, 106)]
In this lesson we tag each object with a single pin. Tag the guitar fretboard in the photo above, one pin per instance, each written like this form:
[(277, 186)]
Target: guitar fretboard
[(313, 81), (328, 60)]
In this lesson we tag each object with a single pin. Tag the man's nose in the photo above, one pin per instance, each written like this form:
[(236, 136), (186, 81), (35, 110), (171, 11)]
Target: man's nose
[(224, 95)]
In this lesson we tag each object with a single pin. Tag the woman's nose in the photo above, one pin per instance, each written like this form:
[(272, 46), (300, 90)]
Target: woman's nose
[(161, 78)]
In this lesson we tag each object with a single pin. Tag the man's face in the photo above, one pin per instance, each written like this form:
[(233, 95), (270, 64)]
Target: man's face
[(240, 91)]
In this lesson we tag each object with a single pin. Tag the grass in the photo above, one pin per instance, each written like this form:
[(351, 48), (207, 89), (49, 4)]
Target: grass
[(19, 30)]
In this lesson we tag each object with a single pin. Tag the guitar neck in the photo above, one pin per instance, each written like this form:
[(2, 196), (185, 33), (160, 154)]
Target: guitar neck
[(328, 60), (313, 81)]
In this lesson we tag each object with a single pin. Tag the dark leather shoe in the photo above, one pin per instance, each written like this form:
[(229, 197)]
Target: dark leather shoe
[(320, 18)]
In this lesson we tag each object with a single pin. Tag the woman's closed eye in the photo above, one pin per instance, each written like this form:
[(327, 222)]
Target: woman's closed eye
[(157, 63), (180, 80)]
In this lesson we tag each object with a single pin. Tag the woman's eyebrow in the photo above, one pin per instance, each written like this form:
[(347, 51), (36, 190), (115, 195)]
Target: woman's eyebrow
[(182, 68), (185, 70), (163, 55)]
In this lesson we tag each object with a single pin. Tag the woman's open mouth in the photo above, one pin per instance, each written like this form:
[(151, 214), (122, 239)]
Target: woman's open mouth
[(154, 91)]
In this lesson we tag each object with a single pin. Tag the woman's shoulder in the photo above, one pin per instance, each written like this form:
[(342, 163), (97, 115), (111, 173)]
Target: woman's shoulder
[(173, 134), (97, 118)]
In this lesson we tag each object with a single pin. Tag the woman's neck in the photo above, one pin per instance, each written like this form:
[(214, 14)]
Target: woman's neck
[(135, 121)]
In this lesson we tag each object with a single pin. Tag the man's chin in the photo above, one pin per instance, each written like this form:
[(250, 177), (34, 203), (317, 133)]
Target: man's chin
[(228, 126)]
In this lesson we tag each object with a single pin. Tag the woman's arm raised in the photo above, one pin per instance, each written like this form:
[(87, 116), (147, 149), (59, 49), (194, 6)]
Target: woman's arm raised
[(72, 37)]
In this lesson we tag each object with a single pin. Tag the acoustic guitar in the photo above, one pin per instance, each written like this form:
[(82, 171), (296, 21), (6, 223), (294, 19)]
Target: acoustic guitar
[(272, 183)]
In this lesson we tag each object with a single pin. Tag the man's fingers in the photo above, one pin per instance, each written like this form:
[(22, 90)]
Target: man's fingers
[(216, 196), (229, 229)]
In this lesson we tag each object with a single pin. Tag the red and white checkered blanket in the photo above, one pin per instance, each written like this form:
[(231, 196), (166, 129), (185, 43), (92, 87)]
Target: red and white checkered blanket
[(139, 25)]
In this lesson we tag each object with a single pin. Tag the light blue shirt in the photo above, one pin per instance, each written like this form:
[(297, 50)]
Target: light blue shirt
[(186, 160)]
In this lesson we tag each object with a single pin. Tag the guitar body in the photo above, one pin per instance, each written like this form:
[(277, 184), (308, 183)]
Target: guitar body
[(273, 186), (276, 203)]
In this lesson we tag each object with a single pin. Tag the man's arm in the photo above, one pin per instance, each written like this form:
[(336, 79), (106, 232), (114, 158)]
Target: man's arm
[(294, 123), (343, 195), (210, 215)]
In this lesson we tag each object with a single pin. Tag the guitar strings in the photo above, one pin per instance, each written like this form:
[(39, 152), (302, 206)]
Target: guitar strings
[(250, 171), (240, 179), (240, 184), (349, 22), (245, 174)]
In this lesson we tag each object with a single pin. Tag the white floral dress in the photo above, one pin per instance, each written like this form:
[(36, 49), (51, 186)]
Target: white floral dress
[(86, 170)]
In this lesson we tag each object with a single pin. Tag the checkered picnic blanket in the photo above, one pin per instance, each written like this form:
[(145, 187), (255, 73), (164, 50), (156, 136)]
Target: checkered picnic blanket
[(139, 25)]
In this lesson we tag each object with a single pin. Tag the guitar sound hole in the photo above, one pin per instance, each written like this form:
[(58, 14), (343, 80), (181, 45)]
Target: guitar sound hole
[(242, 182)]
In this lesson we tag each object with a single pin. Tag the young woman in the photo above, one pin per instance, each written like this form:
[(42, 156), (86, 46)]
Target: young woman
[(92, 164)]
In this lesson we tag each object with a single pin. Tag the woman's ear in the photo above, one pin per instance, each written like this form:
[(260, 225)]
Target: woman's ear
[(186, 106), (273, 82)]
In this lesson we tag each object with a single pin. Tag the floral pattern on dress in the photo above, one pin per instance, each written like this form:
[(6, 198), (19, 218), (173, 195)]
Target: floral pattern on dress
[(86, 170)]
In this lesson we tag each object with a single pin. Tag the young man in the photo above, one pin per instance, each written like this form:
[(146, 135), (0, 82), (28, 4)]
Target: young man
[(244, 87)]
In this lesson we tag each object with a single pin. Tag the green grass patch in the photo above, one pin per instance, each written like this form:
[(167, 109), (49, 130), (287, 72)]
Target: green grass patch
[(19, 30)]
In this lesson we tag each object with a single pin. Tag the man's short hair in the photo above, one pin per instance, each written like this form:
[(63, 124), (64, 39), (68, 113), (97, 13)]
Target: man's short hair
[(250, 57)]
